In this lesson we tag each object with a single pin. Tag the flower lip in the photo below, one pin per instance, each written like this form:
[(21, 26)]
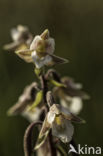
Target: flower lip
[(40, 62), (64, 132)]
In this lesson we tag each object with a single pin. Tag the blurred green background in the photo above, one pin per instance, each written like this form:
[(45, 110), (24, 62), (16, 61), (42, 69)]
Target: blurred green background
[(77, 26)]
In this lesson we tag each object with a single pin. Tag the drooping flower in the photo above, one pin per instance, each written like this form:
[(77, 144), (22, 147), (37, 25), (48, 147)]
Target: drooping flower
[(71, 95), (21, 38), (41, 51), (59, 120), (31, 96)]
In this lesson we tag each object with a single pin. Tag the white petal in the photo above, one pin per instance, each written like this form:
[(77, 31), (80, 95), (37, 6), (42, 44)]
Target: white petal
[(33, 45), (31, 115), (38, 62), (47, 60), (64, 103), (15, 34), (51, 46), (65, 134), (22, 28), (60, 109), (68, 98), (76, 105), (78, 86), (73, 104), (50, 117)]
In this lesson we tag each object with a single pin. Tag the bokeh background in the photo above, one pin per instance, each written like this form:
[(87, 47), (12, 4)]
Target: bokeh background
[(77, 26)]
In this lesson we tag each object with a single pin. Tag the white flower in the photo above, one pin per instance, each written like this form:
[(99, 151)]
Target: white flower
[(51, 117), (17, 33), (48, 44), (21, 37), (71, 95), (41, 51), (40, 62), (64, 132), (61, 127), (41, 47), (74, 104), (59, 120), (31, 115), (27, 104)]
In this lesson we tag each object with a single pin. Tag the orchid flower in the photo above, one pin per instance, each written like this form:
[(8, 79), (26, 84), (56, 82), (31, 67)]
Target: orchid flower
[(41, 51), (59, 120), (21, 38), (31, 96)]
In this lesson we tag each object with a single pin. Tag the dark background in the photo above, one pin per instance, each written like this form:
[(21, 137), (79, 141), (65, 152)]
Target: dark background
[(77, 26)]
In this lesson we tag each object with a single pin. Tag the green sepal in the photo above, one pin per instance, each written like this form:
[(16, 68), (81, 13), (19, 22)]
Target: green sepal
[(43, 134), (41, 140), (38, 99), (57, 84)]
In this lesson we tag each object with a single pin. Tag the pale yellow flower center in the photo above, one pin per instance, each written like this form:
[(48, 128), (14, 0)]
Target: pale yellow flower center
[(58, 120)]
